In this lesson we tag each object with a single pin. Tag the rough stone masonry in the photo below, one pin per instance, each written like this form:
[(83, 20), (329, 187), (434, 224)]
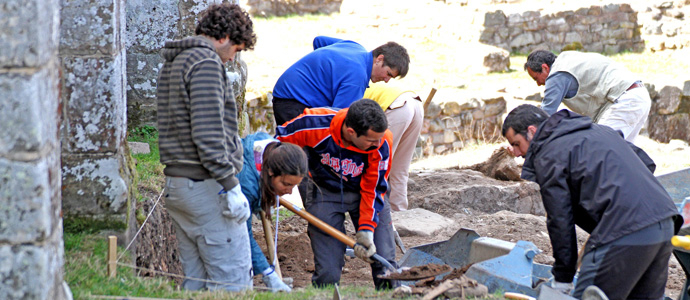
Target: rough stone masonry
[(31, 249)]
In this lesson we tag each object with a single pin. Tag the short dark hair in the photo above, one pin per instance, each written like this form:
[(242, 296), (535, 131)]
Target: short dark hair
[(539, 57), (394, 56), (227, 20), (522, 117), (280, 159), (365, 114)]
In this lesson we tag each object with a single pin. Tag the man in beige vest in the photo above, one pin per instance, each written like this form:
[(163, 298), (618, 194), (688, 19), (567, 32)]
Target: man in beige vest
[(405, 114), (591, 84)]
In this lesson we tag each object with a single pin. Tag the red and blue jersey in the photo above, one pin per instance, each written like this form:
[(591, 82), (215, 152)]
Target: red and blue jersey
[(334, 166)]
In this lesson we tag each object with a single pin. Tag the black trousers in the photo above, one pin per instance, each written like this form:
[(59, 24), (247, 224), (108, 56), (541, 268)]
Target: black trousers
[(634, 266), (331, 207), (286, 109)]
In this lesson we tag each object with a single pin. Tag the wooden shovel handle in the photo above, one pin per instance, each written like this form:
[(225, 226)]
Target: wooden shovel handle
[(268, 234), (318, 223)]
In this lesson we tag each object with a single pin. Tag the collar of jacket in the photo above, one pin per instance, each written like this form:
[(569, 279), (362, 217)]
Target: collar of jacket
[(336, 131), (548, 130)]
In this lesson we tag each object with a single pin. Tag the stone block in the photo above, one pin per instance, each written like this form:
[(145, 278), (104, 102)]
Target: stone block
[(93, 185), (664, 128), (432, 111), (149, 25), (32, 272), (419, 222), (458, 145), (571, 37), (554, 37), (594, 10), (139, 148), (92, 27), (515, 20), (449, 136), (503, 32), (29, 202), (558, 25), (686, 89), (436, 125), (29, 34), (426, 124), (142, 72), (611, 8), (29, 107), (451, 108), (440, 149), (495, 109), (669, 100), (497, 60), (612, 49), (93, 91), (497, 18)]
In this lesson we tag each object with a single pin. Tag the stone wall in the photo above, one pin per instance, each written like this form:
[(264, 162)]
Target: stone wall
[(450, 122), (31, 248), (669, 117), (609, 29), (149, 25), (666, 25), (455, 122), (267, 8), (96, 167)]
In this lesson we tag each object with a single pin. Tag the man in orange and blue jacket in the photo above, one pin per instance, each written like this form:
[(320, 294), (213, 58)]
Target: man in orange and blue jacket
[(349, 153)]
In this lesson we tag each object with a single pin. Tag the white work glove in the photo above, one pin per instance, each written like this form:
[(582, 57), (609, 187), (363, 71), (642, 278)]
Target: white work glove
[(236, 205), (562, 287), (273, 282), (364, 247)]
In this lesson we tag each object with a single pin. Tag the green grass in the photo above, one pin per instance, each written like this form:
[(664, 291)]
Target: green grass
[(85, 273), (148, 167)]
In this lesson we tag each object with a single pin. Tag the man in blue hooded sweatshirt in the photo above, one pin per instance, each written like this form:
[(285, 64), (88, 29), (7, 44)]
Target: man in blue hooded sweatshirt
[(335, 74)]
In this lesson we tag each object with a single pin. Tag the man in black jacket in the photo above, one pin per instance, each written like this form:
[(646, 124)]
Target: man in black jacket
[(591, 177)]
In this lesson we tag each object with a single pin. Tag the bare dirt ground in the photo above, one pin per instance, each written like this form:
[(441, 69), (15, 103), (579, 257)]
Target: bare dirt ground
[(296, 258), (441, 38)]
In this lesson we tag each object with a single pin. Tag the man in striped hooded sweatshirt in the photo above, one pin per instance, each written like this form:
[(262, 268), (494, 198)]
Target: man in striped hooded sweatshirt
[(202, 151), (349, 153)]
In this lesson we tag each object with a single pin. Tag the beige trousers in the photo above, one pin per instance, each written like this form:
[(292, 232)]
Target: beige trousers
[(629, 113), (405, 116)]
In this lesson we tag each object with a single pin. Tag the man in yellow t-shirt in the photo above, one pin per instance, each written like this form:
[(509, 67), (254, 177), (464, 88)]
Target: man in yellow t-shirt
[(405, 114)]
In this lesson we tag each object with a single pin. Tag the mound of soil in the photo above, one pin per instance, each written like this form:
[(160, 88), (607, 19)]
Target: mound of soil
[(501, 165), (418, 272)]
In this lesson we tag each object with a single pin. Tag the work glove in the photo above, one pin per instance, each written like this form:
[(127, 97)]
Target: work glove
[(235, 204), (273, 282), (364, 247), (562, 287)]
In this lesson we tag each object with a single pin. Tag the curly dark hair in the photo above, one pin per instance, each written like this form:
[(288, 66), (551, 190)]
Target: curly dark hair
[(227, 20)]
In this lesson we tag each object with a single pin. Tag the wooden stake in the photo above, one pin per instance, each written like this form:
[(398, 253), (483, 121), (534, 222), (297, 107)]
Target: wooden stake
[(268, 233), (428, 98), (112, 256)]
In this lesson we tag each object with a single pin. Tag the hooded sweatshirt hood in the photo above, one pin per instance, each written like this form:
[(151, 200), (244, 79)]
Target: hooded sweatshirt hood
[(173, 48)]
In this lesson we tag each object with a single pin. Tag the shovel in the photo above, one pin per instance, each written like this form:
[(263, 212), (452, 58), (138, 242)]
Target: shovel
[(330, 230)]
